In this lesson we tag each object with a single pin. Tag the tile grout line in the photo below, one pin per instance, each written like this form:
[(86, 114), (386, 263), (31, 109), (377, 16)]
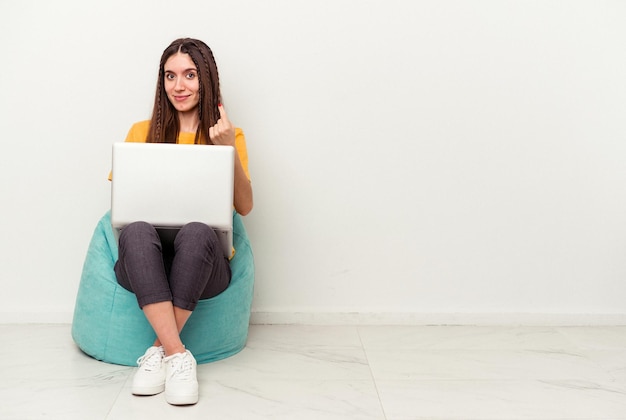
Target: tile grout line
[(119, 394), (380, 401)]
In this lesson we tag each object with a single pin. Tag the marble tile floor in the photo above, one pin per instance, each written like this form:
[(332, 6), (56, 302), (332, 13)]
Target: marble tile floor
[(338, 372)]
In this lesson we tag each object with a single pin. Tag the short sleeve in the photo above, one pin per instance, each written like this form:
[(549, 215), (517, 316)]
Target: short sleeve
[(242, 151)]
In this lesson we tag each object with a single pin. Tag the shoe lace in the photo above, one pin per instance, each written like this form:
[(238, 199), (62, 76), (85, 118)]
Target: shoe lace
[(151, 361), (181, 367)]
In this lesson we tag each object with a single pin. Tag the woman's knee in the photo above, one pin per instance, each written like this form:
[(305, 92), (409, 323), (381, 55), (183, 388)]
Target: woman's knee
[(196, 233), (138, 232)]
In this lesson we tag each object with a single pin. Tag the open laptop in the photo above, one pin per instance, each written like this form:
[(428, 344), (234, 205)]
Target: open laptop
[(170, 185)]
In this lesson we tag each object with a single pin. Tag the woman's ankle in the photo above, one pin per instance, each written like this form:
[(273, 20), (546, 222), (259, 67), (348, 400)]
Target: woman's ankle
[(170, 350)]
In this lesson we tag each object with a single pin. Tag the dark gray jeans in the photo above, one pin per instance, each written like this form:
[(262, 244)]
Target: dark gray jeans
[(181, 266)]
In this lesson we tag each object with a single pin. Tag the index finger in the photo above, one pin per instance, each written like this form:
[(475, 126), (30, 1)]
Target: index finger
[(223, 115)]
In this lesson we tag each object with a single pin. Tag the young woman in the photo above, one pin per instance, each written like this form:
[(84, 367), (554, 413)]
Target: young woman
[(168, 276)]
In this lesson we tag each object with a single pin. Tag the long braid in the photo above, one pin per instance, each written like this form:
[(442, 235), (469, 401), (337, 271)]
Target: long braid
[(209, 91), (155, 133), (211, 68), (159, 112)]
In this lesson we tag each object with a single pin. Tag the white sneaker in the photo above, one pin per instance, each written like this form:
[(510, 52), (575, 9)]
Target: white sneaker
[(181, 385), (150, 377)]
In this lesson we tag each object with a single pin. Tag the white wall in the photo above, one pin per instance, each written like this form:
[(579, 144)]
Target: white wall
[(434, 161)]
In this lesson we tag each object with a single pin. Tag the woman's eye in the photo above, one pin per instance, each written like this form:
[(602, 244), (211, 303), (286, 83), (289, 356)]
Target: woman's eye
[(169, 76), (191, 75)]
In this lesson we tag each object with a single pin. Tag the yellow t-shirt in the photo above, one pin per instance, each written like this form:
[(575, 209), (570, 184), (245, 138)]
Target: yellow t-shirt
[(138, 133)]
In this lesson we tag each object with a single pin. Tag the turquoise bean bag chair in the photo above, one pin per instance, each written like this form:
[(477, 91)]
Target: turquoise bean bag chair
[(109, 325)]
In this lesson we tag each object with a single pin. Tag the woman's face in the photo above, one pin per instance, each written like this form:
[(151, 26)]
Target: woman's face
[(181, 82)]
